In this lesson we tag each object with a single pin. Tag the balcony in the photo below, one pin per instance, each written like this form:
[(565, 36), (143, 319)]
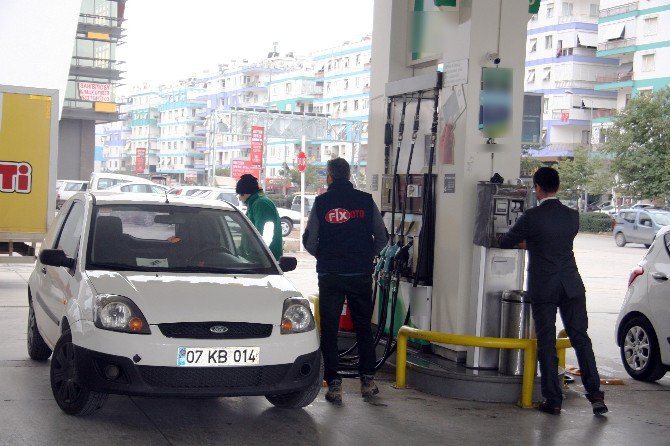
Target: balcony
[(582, 18), (100, 112), (619, 43), (94, 67), (582, 114), (574, 83), (611, 78), (616, 10)]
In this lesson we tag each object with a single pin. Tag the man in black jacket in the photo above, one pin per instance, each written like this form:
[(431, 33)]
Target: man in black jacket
[(547, 232), (345, 232)]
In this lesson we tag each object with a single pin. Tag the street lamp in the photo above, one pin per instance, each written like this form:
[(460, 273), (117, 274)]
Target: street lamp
[(590, 117)]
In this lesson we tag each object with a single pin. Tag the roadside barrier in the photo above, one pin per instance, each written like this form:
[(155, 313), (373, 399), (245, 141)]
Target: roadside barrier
[(529, 346)]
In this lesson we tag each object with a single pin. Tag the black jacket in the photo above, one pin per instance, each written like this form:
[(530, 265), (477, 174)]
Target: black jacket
[(549, 231), (345, 230)]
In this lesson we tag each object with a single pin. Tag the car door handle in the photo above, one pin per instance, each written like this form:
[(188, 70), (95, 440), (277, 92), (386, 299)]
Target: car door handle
[(659, 276), (44, 270)]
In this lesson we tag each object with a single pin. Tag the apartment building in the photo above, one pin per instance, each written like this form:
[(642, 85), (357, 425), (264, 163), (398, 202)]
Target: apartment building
[(142, 118), (562, 64), (637, 35)]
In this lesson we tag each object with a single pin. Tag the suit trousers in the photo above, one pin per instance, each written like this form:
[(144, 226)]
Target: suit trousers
[(575, 320), (333, 288)]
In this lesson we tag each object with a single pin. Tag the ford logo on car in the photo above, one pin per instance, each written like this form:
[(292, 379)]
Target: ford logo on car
[(218, 329)]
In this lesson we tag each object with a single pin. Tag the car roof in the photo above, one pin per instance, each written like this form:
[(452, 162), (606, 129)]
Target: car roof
[(141, 198)]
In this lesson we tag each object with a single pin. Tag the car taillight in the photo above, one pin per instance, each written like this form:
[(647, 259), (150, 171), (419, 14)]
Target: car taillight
[(634, 273), (177, 192)]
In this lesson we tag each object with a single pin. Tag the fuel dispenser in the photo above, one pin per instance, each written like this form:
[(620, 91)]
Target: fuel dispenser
[(495, 270)]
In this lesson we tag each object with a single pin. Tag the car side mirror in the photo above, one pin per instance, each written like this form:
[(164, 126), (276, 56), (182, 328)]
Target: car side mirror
[(56, 257), (288, 263)]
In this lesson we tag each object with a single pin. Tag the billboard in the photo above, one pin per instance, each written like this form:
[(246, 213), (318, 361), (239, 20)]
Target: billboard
[(91, 91), (140, 160), (241, 167), (257, 139)]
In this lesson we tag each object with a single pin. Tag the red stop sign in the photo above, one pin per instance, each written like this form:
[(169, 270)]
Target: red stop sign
[(302, 161)]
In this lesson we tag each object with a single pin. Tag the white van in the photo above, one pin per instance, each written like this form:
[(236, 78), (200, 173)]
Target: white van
[(103, 180)]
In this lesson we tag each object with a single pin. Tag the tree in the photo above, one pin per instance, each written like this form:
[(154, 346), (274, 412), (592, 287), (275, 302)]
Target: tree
[(529, 164), (312, 178), (224, 172), (639, 144), (583, 175)]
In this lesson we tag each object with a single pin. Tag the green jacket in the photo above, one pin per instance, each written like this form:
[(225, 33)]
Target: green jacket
[(261, 210)]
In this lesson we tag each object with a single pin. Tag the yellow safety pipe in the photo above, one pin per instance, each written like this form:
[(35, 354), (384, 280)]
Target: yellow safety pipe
[(314, 300), (528, 345)]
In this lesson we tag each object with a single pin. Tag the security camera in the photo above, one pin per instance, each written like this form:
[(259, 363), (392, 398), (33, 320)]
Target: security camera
[(493, 56)]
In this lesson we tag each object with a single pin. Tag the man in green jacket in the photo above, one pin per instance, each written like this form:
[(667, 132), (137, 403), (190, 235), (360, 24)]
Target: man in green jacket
[(262, 212)]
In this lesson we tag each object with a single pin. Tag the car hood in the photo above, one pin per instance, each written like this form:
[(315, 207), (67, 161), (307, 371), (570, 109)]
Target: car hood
[(174, 297)]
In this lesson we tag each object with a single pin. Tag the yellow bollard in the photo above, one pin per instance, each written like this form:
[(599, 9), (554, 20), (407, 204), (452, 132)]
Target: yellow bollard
[(314, 300), (401, 360), (529, 364)]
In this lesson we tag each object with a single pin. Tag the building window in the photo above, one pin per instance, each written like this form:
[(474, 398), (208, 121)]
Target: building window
[(533, 45), (531, 76), (346, 84), (545, 105), (650, 26), (358, 59), (355, 104), (567, 9), (344, 106), (586, 137), (288, 87), (648, 62), (550, 10), (547, 74), (548, 42)]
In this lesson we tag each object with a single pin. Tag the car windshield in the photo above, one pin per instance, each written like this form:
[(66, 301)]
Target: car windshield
[(661, 219), (171, 238), (75, 187)]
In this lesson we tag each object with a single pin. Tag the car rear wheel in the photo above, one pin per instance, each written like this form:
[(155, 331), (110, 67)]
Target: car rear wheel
[(620, 239), (639, 351), (37, 348), (301, 398), (286, 227), (72, 397)]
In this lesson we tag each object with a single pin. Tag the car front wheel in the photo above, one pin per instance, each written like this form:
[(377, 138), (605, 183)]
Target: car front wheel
[(286, 227), (72, 397), (639, 351), (620, 239), (301, 398)]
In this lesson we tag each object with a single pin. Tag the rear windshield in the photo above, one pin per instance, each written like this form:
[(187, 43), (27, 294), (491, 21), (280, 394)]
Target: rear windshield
[(175, 239), (75, 187), (106, 183)]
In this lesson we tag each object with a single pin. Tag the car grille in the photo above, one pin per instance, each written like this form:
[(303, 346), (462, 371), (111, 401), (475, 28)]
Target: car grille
[(201, 330), (213, 377)]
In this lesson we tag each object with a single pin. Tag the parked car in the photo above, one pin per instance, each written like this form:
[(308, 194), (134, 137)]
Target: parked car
[(643, 325), (220, 194), (103, 180), (186, 191), (192, 305), (639, 225), (141, 188), (309, 202), (68, 188), (608, 209)]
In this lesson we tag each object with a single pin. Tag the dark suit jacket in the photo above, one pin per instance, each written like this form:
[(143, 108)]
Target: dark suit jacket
[(549, 230)]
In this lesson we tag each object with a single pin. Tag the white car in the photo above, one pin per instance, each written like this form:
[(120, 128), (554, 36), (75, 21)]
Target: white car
[(104, 180), (68, 188), (138, 188), (191, 305), (643, 326)]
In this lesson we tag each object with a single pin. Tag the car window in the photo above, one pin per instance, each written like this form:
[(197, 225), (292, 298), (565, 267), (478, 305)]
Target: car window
[(157, 189), (661, 219), (645, 219), (70, 235), (191, 192), (628, 216), (230, 197), (666, 239), (175, 238), (74, 187), (106, 183)]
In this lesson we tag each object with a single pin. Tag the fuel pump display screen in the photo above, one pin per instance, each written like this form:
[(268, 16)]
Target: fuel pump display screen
[(501, 206)]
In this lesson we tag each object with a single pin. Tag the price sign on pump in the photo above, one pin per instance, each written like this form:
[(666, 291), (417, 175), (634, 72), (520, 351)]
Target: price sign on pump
[(302, 161)]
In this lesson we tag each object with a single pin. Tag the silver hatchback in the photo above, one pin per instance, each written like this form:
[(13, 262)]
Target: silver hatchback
[(639, 225)]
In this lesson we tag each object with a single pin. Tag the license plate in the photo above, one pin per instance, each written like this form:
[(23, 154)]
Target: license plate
[(217, 357)]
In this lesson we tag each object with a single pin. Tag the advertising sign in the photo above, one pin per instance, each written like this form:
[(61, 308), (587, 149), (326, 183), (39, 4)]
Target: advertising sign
[(241, 167), (531, 126), (495, 102), (90, 91), (257, 139), (302, 161), (26, 155), (140, 160)]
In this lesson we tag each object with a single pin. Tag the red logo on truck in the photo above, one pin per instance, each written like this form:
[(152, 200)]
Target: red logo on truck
[(15, 177)]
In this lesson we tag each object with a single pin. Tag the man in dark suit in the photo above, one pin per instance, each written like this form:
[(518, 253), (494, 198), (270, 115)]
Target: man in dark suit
[(547, 232)]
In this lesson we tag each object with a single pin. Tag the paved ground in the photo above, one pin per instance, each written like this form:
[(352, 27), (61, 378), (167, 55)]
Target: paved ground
[(639, 412)]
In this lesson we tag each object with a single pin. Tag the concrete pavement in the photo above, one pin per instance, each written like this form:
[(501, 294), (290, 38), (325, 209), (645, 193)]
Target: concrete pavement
[(639, 411)]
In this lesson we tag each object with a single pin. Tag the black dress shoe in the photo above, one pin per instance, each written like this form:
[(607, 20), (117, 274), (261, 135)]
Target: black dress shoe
[(598, 404), (547, 407)]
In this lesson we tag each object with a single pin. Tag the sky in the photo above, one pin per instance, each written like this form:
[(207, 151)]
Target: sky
[(168, 40)]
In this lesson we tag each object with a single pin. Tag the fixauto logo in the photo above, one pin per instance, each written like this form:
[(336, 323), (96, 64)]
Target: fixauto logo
[(339, 215), (15, 177)]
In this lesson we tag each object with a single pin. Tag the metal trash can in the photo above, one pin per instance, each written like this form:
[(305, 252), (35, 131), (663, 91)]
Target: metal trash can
[(516, 321)]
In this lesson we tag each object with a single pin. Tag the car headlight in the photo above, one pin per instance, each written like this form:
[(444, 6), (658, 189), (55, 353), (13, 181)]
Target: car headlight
[(296, 316), (118, 313)]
